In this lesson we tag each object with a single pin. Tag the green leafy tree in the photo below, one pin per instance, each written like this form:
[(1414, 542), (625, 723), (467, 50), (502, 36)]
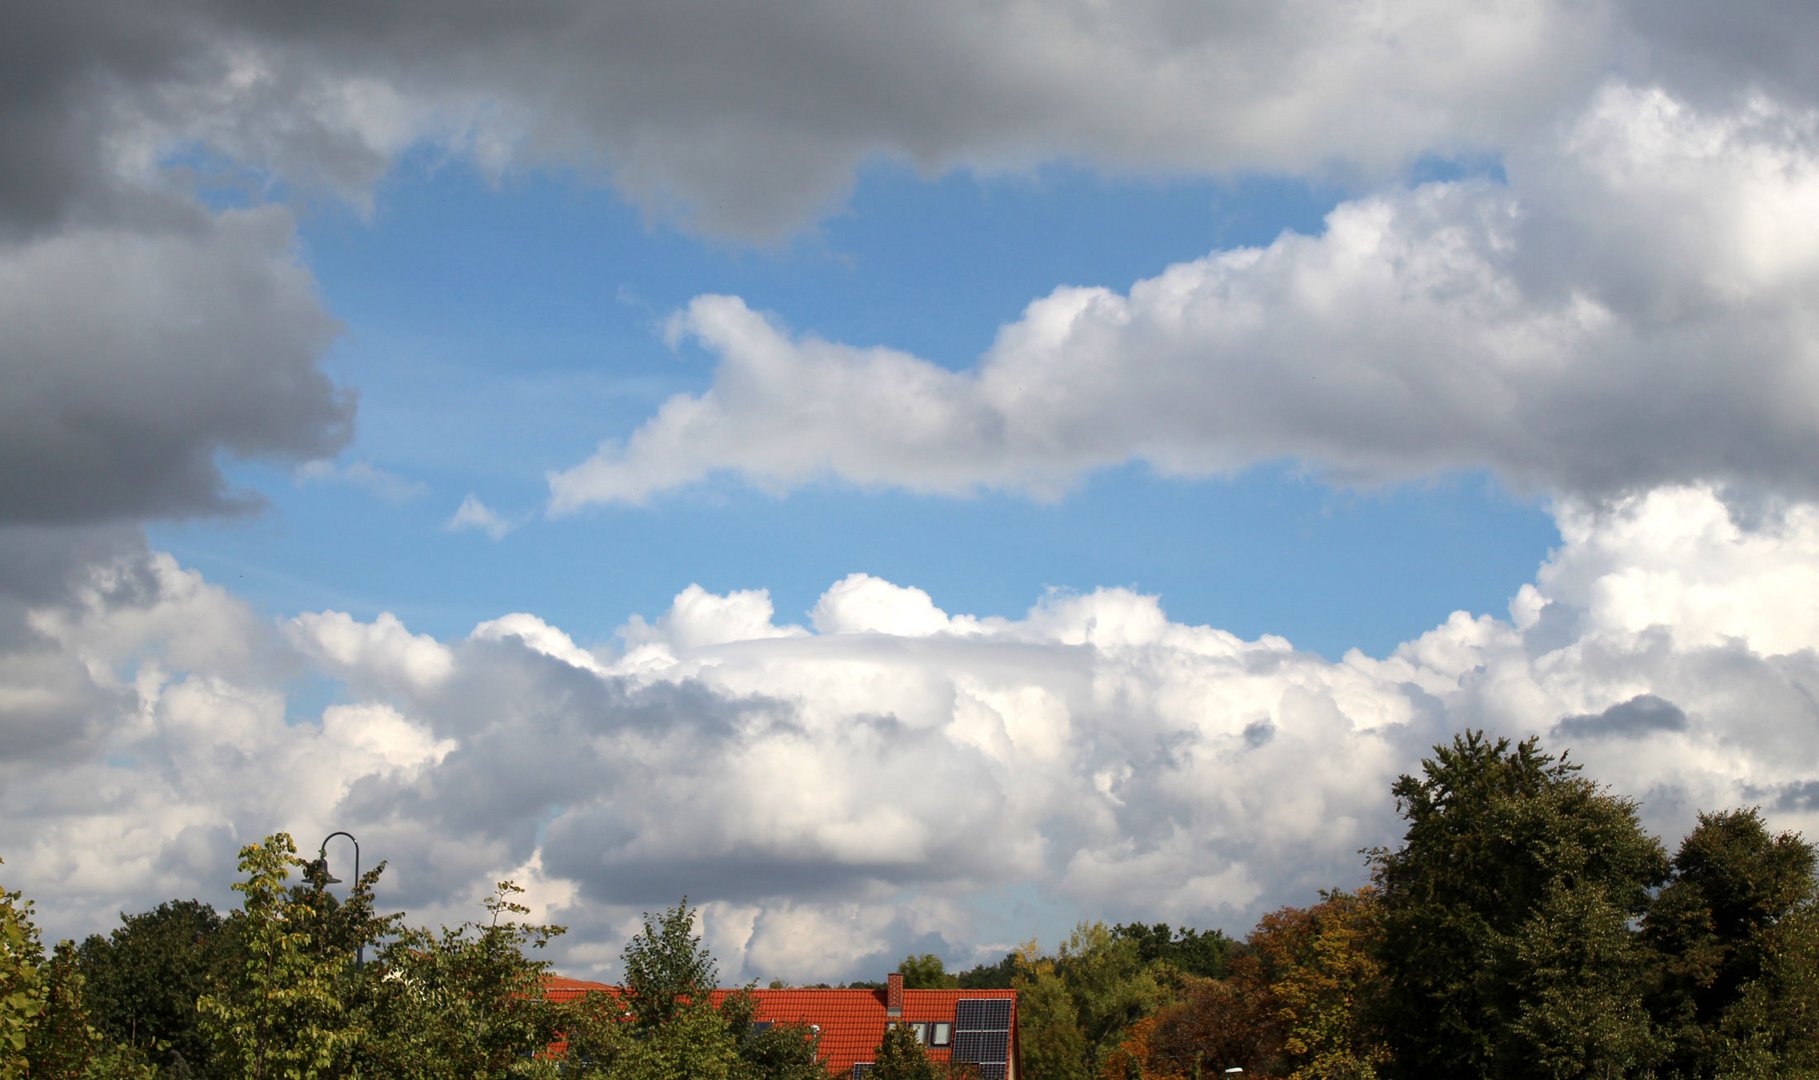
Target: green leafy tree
[(142, 981), (666, 966), (1581, 976), (900, 1057), (282, 1017), (1190, 951), (1110, 985), (63, 1045), (926, 972), (1737, 908), (1506, 916), (22, 990), (458, 1003), (1048, 1022), (1773, 1028), (770, 1051), (664, 1025), (999, 976), (693, 1041)]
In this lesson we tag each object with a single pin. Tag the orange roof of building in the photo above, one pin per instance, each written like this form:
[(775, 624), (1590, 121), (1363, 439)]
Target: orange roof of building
[(851, 1023)]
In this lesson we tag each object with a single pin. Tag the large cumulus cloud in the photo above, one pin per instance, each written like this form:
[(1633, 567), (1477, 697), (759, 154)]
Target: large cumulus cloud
[(886, 777), (1631, 309)]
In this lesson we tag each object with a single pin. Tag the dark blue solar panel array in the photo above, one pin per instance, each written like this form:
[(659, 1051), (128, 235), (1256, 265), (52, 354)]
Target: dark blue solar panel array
[(982, 1035), (991, 1014), (862, 1070), (983, 1047)]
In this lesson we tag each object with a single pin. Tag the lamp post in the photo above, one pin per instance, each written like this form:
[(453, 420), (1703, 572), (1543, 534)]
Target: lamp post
[(321, 866)]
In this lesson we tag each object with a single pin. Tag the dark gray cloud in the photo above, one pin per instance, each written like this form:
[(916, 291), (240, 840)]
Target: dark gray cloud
[(1800, 797), (749, 118), (1641, 715), (133, 359)]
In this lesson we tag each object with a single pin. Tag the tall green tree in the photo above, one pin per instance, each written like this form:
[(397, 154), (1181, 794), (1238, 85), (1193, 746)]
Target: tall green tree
[(926, 972), (1506, 945), (1723, 930), (1110, 984), (142, 980), (1048, 1023), (998, 976), (283, 1017), (63, 1045), (666, 966), (22, 990)]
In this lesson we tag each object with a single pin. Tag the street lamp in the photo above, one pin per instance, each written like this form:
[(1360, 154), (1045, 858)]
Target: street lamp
[(320, 866)]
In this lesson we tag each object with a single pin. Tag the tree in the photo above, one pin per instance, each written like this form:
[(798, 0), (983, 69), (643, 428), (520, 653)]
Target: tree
[(283, 1016), (63, 1045), (22, 990), (457, 1003), (785, 1051), (142, 981), (926, 972), (1191, 951), (1216, 1024), (666, 966), (1506, 946), (900, 1057), (1110, 985), (1321, 969), (1736, 908), (1048, 1024), (999, 976)]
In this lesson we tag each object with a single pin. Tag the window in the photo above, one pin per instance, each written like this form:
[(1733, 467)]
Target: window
[(940, 1034)]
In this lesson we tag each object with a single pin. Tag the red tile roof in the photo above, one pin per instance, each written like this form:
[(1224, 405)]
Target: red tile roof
[(851, 1022)]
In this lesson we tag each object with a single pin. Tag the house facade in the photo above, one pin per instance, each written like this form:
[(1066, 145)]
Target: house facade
[(975, 1026)]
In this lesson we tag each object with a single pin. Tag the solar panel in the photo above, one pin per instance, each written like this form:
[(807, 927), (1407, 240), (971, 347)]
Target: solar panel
[(971, 1046), (990, 1014), (982, 1035), (862, 1070)]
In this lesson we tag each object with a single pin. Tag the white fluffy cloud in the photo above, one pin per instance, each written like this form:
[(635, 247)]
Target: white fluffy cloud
[(836, 795), (1631, 310)]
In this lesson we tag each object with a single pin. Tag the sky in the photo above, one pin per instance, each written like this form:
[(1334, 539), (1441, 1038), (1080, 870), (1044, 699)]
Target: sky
[(909, 478)]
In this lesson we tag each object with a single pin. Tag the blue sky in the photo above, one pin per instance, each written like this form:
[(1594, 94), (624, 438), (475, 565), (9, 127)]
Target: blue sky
[(907, 477), (497, 331)]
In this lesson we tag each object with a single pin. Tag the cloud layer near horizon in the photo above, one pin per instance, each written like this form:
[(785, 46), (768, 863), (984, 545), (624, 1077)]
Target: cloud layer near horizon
[(836, 793)]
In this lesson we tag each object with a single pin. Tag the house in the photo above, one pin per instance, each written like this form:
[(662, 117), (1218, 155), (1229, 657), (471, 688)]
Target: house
[(978, 1026)]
